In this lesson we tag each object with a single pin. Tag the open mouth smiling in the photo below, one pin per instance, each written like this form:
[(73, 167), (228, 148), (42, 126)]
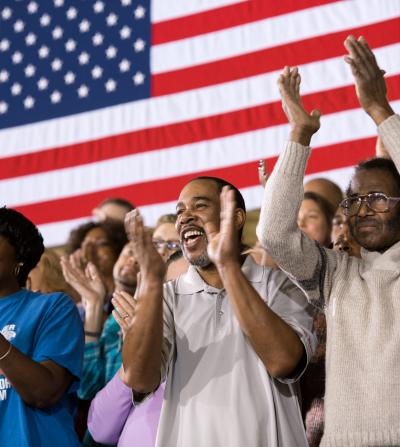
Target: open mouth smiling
[(191, 236)]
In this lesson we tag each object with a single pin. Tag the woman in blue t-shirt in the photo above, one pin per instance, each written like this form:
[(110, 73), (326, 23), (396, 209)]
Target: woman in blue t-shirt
[(41, 346)]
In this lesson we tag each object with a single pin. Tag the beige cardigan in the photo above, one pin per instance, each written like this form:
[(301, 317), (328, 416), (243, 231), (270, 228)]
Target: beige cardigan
[(361, 298)]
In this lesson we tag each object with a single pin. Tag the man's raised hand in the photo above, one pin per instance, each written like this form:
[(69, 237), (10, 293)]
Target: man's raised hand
[(303, 124), (369, 80)]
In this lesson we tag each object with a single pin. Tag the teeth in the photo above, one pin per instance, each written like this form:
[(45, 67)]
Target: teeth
[(193, 233)]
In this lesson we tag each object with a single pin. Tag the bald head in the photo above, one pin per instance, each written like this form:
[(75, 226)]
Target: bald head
[(327, 189)]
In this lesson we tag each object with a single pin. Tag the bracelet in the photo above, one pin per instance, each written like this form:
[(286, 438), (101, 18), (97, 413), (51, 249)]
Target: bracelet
[(6, 354), (91, 334)]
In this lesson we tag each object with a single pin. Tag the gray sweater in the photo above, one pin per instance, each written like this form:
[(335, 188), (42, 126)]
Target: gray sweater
[(361, 299)]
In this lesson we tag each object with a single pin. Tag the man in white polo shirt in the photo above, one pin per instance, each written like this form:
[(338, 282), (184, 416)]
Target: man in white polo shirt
[(230, 337)]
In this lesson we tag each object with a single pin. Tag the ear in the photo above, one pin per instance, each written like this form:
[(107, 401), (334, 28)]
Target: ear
[(240, 218)]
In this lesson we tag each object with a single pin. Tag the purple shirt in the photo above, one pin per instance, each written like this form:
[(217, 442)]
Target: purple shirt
[(113, 419)]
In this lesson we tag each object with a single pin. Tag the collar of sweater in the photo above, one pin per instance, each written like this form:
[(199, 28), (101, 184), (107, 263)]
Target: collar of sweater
[(388, 260)]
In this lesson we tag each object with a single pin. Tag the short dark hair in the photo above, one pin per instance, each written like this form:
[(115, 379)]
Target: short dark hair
[(378, 163), (117, 201), (220, 184), (26, 239), (114, 230)]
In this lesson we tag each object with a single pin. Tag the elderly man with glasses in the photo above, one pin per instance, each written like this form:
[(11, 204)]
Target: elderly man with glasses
[(360, 297)]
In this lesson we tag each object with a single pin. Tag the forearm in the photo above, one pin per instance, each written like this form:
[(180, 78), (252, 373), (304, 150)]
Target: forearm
[(109, 410), (33, 381), (274, 341), (277, 229), (389, 132), (93, 321), (141, 352)]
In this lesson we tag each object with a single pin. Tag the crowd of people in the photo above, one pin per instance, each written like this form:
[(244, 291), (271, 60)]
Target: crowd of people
[(182, 335)]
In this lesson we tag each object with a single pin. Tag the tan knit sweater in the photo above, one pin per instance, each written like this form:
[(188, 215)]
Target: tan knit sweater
[(361, 298)]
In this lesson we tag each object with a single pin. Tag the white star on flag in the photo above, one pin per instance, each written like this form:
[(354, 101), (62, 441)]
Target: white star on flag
[(139, 12), (57, 32), (4, 75), (97, 39), (32, 7), (43, 51), (97, 72), (55, 97), (45, 20), (83, 58), (139, 45), (124, 65), (19, 26), (42, 83), (112, 19), (56, 64), (30, 39), (111, 52), (138, 78), (98, 7), (110, 85), (3, 107), (30, 70), (84, 26), (70, 45), (29, 102), (16, 89), (125, 32), (72, 13), (17, 57), (6, 13), (69, 78), (83, 91), (4, 44)]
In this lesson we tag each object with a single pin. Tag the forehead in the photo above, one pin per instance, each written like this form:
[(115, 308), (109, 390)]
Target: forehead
[(310, 204), (166, 231), (96, 233), (373, 180), (199, 188)]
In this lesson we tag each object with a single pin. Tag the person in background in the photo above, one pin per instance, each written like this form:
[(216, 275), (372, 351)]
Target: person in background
[(327, 189), (41, 346), (165, 236), (100, 244), (113, 418), (341, 237), (47, 277), (112, 209)]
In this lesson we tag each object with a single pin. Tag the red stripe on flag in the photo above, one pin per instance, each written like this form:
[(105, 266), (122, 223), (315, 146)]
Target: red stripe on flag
[(173, 135), (165, 190), (226, 17), (270, 59)]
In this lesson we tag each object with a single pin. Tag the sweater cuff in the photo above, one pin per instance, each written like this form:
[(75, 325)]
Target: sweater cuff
[(293, 159), (389, 130)]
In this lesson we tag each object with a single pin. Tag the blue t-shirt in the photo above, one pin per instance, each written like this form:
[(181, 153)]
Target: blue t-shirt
[(43, 327)]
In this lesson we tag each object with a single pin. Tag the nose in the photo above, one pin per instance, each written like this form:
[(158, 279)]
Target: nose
[(364, 209)]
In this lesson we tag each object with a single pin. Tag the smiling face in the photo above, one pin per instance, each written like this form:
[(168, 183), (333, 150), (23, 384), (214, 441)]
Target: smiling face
[(199, 203), (375, 231)]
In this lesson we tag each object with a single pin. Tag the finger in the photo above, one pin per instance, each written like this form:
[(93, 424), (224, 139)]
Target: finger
[(316, 114), (128, 300), (138, 284), (121, 306), (123, 324), (92, 272), (356, 57)]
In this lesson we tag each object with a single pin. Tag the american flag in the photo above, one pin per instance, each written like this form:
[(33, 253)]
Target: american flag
[(130, 98)]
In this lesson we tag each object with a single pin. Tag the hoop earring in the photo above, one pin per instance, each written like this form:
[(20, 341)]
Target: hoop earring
[(18, 268)]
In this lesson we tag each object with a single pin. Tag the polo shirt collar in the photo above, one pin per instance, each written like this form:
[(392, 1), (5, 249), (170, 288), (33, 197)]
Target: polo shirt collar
[(191, 282)]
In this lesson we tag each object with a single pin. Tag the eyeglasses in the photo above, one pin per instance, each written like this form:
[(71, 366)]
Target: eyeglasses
[(375, 201), (171, 245)]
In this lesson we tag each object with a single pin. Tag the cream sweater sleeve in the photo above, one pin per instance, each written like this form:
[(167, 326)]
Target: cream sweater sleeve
[(307, 264), (389, 131)]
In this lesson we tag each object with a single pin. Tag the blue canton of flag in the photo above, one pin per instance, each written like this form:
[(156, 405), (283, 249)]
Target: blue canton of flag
[(60, 57)]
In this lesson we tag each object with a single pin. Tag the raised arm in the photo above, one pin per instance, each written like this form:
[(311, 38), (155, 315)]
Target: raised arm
[(371, 92), (277, 229), (142, 347), (274, 340)]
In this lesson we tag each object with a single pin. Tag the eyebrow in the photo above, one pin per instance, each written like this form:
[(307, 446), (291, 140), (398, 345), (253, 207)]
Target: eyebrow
[(194, 199)]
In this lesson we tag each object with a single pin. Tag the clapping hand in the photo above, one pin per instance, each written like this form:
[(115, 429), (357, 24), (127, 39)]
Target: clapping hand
[(223, 242), (149, 260), (303, 124), (368, 77)]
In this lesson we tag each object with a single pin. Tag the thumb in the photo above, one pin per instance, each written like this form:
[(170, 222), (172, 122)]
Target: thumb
[(316, 114)]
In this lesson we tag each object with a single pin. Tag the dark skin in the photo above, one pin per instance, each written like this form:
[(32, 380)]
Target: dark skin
[(40, 385), (217, 222), (375, 231)]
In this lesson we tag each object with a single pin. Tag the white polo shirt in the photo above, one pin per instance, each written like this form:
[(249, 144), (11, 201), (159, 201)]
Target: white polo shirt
[(218, 391)]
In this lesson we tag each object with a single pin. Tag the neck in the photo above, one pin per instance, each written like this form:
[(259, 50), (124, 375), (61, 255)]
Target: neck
[(210, 275), (9, 289)]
